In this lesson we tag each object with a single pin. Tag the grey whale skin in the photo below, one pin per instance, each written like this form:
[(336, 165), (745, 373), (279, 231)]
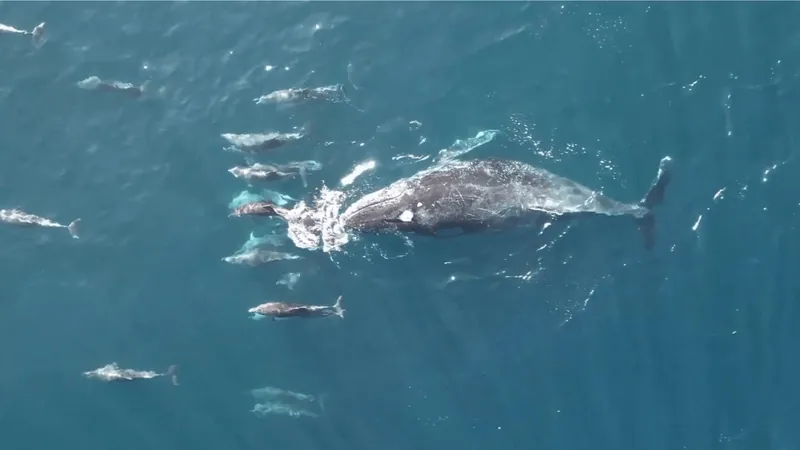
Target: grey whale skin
[(483, 194)]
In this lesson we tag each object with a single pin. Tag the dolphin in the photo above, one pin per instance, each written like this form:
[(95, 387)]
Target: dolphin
[(94, 83), (112, 372), (333, 93), (18, 217), (257, 256), (285, 310), (480, 194)]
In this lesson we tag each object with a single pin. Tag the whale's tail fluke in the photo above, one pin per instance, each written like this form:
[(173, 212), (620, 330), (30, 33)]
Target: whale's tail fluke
[(654, 197)]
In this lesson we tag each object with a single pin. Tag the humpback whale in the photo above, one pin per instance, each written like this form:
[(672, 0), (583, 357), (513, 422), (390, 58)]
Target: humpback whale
[(482, 194)]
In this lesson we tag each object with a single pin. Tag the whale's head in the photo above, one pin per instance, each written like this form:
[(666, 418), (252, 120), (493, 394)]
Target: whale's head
[(391, 208)]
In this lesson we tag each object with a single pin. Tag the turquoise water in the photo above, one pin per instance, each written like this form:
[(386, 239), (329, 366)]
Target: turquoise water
[(582, 341)]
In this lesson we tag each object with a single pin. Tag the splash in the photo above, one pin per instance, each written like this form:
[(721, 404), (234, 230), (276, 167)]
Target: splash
[(462, 147), (309, 226)]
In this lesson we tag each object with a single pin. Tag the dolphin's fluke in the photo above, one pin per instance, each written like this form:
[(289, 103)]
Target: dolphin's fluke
[(173, 373), (337, 308), (144, 87), (73, 228), (305, 130), (304, 176), (321, 400), (655, 197), (37, 35)]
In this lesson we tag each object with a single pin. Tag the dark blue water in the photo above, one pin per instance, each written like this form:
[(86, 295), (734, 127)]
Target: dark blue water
[(507, 340)]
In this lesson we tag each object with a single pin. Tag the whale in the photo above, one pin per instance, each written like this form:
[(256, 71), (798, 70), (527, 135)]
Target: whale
[(483, 194), (476, 195)]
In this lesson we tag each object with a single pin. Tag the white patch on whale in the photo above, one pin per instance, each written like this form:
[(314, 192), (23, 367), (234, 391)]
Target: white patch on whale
[(406, 216)]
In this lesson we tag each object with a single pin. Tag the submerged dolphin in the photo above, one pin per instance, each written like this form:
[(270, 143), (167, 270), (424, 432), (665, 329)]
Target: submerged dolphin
[(490, 193), (112, 372)]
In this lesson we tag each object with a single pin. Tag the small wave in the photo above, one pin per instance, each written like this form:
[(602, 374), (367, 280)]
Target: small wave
[(412, 157)]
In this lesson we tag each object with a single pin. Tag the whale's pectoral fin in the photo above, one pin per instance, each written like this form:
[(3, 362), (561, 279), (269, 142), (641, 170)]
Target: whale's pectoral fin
[(655, 195), (426, 231)]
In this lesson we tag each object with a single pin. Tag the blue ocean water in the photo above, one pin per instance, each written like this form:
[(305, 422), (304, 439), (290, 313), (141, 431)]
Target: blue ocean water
[(582, 341)]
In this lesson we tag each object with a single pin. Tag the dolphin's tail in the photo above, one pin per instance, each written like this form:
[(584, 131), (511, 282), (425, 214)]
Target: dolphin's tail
[(306, 129), (145, 87), (173, 373), (37, 35), (343, 91), (73, 228), (654, 197), (321, 400), (337, 308)]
